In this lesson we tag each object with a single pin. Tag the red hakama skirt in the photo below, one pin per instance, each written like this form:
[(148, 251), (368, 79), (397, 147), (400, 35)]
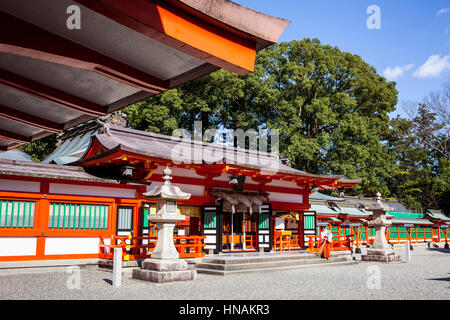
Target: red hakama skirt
[(326, 249)]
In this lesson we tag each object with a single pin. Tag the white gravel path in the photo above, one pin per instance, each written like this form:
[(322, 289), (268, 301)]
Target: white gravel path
[(427, 276)]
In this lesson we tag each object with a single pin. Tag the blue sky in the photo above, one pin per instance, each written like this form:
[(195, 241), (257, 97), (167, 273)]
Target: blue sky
[(412, 47)]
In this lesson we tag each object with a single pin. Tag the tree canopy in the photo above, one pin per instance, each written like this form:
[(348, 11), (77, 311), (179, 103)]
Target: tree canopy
[(330, 107), (421, 144)]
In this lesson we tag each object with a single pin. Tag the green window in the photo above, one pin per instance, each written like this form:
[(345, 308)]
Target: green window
[(78, 216), (145, 218), (393, 235), (263, 221), (309, 222), (210, 219), (16, 214), (124, 219), (362, 234)]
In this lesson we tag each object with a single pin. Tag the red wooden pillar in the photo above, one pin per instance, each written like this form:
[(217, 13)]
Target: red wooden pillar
[(408, 230), (301, 234), (386, 233), (367, 234), (446, 242), (41, 220)]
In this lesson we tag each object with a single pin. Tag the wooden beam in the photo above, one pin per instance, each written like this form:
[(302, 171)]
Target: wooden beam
[(24, 39), (126, 101), (198, 72), (29, 120), (11, 136), (178, 29), (55, 96)]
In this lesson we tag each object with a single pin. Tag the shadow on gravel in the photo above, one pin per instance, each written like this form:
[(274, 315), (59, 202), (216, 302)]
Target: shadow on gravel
[(441, 279), (442, 250)]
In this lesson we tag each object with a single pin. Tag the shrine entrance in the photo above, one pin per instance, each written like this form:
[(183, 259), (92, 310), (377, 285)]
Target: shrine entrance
[(241, 222), (239, 231)]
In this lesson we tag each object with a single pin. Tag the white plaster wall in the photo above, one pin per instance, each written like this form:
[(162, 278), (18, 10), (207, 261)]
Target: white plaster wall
[(62, 188), (71, 245), (192, 189), (179, 172), (19, 185), (17, 246), (226, 177), (283, 183), (154, 185), (285, 197)]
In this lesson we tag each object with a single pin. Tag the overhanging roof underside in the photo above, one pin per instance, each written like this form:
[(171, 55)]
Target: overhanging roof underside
[(53, 78)]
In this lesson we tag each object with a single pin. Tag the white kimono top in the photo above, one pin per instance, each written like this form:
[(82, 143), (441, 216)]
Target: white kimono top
[(326, 234)]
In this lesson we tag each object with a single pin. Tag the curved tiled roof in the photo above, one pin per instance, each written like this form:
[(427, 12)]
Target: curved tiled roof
[(51, 171), (116, 138)]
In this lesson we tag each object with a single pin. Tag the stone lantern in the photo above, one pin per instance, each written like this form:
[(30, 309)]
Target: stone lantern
[(164, 264), (381, 250)]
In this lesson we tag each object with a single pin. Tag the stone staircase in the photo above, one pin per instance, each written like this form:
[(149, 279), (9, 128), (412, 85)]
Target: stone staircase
[(236, 263)]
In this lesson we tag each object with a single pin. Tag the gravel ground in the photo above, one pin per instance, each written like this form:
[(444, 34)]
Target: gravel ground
[(427, 276)]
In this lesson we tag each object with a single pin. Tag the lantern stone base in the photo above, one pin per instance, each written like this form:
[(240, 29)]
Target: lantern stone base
[(380, 255), (162, 270)]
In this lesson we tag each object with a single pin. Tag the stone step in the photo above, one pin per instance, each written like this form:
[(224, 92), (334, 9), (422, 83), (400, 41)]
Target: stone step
[(331, 262), (264, 264), (238, 259)]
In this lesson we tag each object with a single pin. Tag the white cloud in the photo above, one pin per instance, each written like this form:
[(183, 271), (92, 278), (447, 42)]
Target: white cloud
[(442, 11), (394, 73), (433, 67)]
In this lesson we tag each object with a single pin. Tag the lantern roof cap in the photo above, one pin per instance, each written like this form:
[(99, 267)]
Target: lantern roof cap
[(167, 190)]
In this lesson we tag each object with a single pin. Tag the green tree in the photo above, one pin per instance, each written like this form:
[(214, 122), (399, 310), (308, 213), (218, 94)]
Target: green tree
[(334, 112), (40, 149), (330, 107), (421, 143)]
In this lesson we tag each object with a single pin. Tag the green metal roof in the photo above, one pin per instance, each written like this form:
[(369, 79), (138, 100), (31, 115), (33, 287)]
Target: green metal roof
[(15, 155), (71, 150), (323, 209), (320, 196), (353, 211), (412, 221)]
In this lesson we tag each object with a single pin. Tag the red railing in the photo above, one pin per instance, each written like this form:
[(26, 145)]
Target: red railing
[(237, 239), (285, 241), (187, 247), (338, 243), (190, 246), (282, 240), (250, 241), (295, 241)]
